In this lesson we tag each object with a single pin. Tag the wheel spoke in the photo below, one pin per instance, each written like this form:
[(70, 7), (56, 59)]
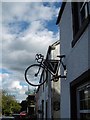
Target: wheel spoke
[(34, 75)]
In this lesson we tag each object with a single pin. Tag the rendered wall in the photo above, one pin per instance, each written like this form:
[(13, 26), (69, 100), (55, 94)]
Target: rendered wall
[(76, 58)]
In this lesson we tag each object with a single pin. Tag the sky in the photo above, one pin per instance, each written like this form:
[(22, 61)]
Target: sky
[(27, 28)]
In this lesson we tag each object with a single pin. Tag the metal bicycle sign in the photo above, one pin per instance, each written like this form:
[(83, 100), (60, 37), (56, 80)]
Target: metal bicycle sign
[(35, 72)]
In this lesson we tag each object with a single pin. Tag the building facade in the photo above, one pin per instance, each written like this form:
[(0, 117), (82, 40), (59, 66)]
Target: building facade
[(74, 23), (48, 95), (31, 105)]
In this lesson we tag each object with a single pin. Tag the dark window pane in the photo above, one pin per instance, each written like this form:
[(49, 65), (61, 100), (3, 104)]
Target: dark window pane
[(85, 93), (81, 105), (75, 18), (83, 11), (84, 105), (85, 116), (89, 104), (88, 92), (85, 98), (82, 96)]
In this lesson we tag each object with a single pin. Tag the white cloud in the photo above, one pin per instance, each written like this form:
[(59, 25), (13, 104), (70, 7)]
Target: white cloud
[(26, 11), (12, 84), (16, 85), (21, 43), (19, 49)]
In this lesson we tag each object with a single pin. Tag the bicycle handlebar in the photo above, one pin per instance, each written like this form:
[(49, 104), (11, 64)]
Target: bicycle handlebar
[(39, 58), (61, 56)]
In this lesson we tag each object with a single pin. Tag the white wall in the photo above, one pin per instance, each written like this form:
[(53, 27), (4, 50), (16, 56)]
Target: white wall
[(76, 57)]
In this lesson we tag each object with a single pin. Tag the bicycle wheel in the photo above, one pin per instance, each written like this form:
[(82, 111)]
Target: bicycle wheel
[(35, 75)]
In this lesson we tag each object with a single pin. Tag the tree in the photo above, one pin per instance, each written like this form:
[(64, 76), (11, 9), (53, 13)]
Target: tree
[(9, 104)]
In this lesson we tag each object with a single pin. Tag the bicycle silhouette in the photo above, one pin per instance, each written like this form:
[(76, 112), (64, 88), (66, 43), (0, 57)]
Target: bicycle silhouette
[(37, 74)]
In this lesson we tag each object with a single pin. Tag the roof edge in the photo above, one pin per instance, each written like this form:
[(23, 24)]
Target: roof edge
[(60, 12)]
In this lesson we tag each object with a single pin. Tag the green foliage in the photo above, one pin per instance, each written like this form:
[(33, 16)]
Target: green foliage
[(9, 104)]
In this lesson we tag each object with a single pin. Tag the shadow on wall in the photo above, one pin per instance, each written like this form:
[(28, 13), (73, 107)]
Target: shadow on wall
[(55, 103)]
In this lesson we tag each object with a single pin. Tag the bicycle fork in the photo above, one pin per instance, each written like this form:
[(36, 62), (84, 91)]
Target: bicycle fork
[(36, 74)]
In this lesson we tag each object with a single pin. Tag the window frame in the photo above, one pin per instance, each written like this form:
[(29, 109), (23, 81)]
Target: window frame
[(81, 80), (80, 110), (79, 26)]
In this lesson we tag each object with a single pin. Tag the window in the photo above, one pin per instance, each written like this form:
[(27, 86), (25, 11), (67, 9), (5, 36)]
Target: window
[(83, 102), (46, 110), (42, 109), (80, 97), (80, 14)]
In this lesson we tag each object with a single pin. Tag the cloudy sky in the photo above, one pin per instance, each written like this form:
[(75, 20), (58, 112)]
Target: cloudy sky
[(27, 28)]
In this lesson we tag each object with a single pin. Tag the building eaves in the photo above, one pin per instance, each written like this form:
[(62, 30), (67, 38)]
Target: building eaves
[(52, 47), (60, 12), (56, 43)]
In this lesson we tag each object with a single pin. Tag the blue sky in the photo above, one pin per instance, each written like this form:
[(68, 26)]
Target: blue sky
[(27, 28), (2, 70), (16, 27)]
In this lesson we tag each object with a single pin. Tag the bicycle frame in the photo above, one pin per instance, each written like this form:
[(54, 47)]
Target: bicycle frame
[(48, 69), (51, 66), (46, 63)]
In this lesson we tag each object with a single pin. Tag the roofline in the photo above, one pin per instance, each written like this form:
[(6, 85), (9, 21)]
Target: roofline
[(56, 43), (31, 94), (60, 12), (51, 46)]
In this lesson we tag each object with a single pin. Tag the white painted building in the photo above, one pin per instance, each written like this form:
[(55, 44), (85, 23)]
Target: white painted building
[(54, 87), (49, 93), (74, 23)]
